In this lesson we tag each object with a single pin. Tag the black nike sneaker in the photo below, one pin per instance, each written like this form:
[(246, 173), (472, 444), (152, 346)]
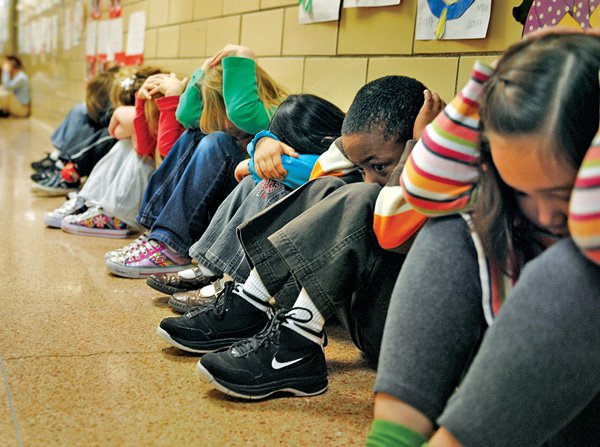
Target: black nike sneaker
[(215, 326), (276, 360)]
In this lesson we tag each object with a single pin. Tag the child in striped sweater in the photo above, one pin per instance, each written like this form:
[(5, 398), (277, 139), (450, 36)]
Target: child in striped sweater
[(512, 154)]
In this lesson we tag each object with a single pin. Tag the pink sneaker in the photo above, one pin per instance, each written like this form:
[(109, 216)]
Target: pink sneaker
[(94, 222), (150, 258)]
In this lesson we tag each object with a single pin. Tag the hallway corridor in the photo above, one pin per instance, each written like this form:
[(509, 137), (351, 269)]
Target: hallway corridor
[(81, 364)]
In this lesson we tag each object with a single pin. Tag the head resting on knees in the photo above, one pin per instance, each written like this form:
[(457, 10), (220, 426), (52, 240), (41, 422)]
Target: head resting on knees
[(307, 123), (539, 115)]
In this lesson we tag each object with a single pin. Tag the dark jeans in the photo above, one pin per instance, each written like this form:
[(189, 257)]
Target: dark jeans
[(533, 379), (188, 187), (321, 238), (218, 248), (76, 118)]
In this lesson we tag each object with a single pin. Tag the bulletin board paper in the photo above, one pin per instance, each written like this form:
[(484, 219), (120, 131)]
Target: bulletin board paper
[(369, 3), (319, 11), (472, 24), (91, 38), (136, 34)]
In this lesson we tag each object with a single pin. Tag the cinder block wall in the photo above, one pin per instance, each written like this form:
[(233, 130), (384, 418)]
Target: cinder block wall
[(331, 59)]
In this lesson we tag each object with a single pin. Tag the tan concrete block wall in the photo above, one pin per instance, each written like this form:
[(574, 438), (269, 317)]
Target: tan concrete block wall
[(331, 59)]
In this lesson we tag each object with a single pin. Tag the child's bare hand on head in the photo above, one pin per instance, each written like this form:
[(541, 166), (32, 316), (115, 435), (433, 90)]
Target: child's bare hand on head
[(151, 86), (267, 158), (432, 106), (228, 50), (171, 85)]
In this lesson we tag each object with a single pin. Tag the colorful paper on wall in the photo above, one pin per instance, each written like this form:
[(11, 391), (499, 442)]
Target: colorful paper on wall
[(369, 3), (452, 19), (570, 13), (134, 51), (116, 39), (314, 11)]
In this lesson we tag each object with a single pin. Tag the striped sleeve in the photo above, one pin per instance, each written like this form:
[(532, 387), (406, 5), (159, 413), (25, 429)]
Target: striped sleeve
[(441, 174), (396, 221), (333, 162), (584, 207)]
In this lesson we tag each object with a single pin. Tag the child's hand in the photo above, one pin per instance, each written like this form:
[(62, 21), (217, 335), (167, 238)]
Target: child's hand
[(267, 158), (432, 106), (150, 86), (171, 86), (121, 122), (242, 170), (229, 50)]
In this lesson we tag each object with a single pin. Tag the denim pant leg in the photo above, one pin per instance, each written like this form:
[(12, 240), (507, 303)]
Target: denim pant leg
[(254, 234), (76, 117), (218, 248), (204, 185), (164, 180)]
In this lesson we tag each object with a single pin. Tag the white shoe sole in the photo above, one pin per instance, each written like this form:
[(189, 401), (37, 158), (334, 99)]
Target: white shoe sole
[(208, 378), (53, 221), (50, 192), (166, 337), (94, 232), (136, 272)]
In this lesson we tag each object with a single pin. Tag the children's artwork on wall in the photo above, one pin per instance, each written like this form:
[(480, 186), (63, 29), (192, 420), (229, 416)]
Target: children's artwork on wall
[(78, 23), (369, 3), (569, 13), (313, 11), (95, 9), (134, 51), (116, 8), (452, 19)]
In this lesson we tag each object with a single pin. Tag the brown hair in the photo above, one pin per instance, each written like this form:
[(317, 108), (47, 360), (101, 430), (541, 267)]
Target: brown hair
[(128, 82), (97, 97), (546, 87), (214, 114), (15, 62)]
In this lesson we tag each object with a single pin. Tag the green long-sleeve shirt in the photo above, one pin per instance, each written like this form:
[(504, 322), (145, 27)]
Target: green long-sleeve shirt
[(240, 93)]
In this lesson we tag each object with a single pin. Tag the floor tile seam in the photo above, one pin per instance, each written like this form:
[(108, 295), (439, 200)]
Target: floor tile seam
[(93, 354), (11, 406)]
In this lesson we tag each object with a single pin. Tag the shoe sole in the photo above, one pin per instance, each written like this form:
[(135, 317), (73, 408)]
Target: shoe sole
[(174, 342), (137, 273), (167, 290), (50, 192), (178, 307), (94, 232), (53, 222), (227, 388)]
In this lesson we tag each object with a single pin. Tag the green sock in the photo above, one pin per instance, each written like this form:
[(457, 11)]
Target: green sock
[(387, 434)]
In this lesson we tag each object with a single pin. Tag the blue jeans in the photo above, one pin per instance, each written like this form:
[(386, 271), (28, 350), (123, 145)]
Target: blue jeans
[(219, 248), (76, 117), (186, 190)]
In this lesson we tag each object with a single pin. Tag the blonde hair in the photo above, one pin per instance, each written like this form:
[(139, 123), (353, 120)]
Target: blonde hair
[(214, 114)]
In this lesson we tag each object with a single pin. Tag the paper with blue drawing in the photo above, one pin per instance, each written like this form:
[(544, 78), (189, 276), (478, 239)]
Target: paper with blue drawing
[(452, 19)]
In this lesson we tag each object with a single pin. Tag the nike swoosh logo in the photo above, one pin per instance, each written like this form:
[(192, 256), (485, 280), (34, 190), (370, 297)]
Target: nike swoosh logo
[(278, 365)]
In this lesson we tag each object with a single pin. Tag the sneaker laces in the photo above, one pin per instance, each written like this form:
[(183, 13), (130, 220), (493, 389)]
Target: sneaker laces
[(70, 205), (270, 335), (219, 307), (144, 247)]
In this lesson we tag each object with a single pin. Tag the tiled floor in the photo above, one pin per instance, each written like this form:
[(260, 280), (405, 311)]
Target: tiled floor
[(81, 364)]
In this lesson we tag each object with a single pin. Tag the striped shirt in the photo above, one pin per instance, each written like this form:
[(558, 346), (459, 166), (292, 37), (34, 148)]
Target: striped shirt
[(395, 222), (442, 172)]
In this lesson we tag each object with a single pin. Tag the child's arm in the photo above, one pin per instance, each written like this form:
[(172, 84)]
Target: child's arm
[(395, 221), (146, 143), (584, 207), (189, 109), (442, 172), (121, 122), (333, 162), (240, 93), (169, 129)]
